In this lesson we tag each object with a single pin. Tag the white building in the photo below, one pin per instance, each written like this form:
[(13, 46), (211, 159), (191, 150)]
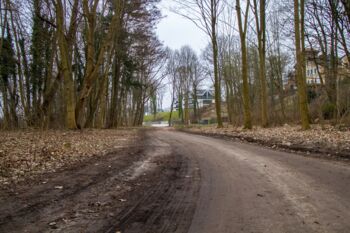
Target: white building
[(204, 98)]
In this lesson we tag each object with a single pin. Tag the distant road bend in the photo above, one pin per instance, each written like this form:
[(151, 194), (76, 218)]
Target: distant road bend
[(246, 188)]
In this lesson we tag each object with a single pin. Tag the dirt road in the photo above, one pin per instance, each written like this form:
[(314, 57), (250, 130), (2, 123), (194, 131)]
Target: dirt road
[(144, 188), (177, 182), (246, 188)]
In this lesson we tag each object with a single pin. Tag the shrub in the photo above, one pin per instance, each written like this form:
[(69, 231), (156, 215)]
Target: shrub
[(328, 110)]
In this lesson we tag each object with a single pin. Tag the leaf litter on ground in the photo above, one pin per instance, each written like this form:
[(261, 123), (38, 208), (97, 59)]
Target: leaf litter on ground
[(25, 154), (325, 137)]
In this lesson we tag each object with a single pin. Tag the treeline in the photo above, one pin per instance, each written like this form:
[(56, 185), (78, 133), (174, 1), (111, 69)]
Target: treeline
[(77, 63), (185, 75), (260, 52)]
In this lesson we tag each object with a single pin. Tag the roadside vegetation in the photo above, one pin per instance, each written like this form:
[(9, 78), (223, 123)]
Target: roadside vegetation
[(78, 64), (162, 116), (272, 62), (322, 140)]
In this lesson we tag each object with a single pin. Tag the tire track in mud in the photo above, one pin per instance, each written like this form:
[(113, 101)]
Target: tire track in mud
[(148, 188), (26, 206), (168, 205)]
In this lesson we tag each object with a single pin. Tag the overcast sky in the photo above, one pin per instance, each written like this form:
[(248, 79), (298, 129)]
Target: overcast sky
[(175, 31)]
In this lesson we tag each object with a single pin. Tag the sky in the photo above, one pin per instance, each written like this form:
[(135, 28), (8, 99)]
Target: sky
[(175, 31)]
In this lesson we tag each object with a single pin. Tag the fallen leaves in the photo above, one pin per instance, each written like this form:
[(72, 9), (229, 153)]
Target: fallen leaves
[(28, 153), (324, 137)]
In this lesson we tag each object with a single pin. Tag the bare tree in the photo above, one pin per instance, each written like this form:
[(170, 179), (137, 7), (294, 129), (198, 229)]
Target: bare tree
[(243, 27), (260, 20), (172, 76), (63, 65), (299, 14), (205, 14), (65, 43)]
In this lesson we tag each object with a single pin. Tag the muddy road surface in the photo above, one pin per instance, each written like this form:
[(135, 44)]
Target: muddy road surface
[(178, 182)]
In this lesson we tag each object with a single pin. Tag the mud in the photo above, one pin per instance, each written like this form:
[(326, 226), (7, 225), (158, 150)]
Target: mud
[(144, 188), (178, 182)]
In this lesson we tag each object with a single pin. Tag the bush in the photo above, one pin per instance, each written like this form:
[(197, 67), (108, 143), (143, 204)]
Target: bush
[(161, 116), (311, 95), (328, 110)]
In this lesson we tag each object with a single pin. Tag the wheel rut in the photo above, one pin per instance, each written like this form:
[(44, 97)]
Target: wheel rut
[(148, 188)]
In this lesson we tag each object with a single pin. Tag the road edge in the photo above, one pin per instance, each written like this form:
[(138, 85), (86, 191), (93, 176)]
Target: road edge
[(294, 148)]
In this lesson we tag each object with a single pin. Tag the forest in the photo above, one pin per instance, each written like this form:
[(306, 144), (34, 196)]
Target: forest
[(269, 65), (99, 63), (77, 64)]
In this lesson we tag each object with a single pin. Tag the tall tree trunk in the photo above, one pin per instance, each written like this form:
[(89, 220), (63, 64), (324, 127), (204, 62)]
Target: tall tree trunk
[(19, 67), (101, 119), (300, 55), (180, 107), (228, 103), (243, 32), (261, 34), (171, 110), (27, 82), (14, 102), (5, 106), (115, 91), (346, 4), (173, 94), (187, 112), (93, 65), (65, 48), (195, 104), (217, 85)]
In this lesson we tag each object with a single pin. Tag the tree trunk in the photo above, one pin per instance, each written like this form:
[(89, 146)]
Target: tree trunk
[(171, 110), (115, 91), (217, 82), (187, 112), (346, 4), (195, 104), (103, 105), (69, 90), (260, 20), (243, 32), (300, 72), (5, 106)]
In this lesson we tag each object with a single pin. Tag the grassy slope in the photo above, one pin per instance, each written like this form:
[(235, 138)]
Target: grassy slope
[(162, 116)]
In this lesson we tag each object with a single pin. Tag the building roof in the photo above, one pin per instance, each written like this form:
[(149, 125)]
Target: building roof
[(205, 92)]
